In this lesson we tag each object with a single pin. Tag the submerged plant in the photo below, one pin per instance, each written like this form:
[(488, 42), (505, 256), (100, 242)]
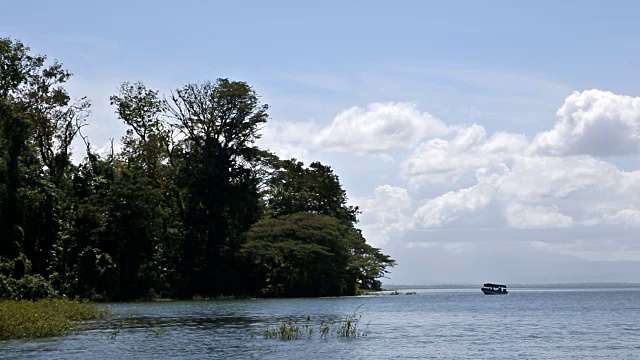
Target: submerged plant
[(288, 330), (324, 330), (115, 332), (291, 330), (349, 327)]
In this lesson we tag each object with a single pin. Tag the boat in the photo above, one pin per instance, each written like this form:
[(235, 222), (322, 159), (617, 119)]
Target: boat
[(494, 289)]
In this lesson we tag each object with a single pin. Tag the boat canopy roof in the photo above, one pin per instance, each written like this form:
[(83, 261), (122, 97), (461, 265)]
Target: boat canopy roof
[(495, 285)]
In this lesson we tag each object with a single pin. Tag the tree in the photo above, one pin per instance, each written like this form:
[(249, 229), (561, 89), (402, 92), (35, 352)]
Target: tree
[(294, 188), (302, 254), (219, 122), (188, 206), (143, 223), (368, 264), (38, 122)]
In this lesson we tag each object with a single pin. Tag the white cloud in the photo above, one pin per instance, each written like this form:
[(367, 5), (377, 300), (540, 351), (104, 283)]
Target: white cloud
[(594, 122), (448, 207), (539, 178), (287, 139), (463, 179), (287, 132), (629, 216), (527, 193), (523, 216), (288, 151), (381, 157), (438, 160), (379, 127), (384, 216), (373, 131)]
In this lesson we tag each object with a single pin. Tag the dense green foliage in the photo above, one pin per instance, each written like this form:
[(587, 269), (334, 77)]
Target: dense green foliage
[(27, 287), (28, 319), (293, 330), (189, 206)]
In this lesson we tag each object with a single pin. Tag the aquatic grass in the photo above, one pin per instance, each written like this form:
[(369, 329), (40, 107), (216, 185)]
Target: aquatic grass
[(324, 330), (116, 331), (289, 330), (292, 330), (24, 319), (395, 292), (349, 327)]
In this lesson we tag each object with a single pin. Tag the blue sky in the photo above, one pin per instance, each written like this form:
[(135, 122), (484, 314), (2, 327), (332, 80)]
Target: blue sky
[(563, 40), (454, 125)]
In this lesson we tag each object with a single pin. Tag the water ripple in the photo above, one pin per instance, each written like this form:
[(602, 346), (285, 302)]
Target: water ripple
[(432, 324)]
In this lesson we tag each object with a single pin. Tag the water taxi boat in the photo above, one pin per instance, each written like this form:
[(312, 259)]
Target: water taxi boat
[(494, 289)]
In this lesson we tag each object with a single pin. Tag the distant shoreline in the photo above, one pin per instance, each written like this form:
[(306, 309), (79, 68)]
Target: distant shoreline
[(519, 286)]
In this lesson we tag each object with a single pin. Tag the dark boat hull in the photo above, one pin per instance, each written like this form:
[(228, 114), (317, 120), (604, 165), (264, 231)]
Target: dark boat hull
[(493, 292)]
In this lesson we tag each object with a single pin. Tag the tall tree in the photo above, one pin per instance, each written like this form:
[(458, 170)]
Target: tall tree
[(38, 123), (219, 121), (142, 222)]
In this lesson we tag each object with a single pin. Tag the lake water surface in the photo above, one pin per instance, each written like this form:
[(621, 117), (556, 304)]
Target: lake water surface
[(432, 324)]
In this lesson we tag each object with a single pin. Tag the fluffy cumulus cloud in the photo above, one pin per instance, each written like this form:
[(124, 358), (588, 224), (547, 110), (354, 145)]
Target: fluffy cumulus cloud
[(287, 139), (532, 184), (451, 206), (532, 192), (384, 216), (379, 127), (594, 122), (463, 178), (439, 160), (629, 217), (375, 130), (538, 178), (522, 216)]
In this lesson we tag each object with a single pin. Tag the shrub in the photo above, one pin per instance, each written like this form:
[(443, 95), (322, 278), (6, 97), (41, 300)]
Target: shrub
[(28, 319), (7, 288), (6, 266), (29, 287)]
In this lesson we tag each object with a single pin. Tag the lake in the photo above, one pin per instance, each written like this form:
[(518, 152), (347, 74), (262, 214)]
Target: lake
[(435, 324)]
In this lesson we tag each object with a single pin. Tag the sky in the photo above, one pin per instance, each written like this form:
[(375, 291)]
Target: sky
[(483, 141)]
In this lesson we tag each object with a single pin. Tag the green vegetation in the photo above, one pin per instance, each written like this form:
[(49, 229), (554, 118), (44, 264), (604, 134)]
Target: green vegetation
[(291, 330), (385, 292), (349, 327), (188, 207), (27, 287), (26, 319)]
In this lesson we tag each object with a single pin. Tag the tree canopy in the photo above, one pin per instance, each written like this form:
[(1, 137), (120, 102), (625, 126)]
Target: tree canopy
[(189, 205)]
